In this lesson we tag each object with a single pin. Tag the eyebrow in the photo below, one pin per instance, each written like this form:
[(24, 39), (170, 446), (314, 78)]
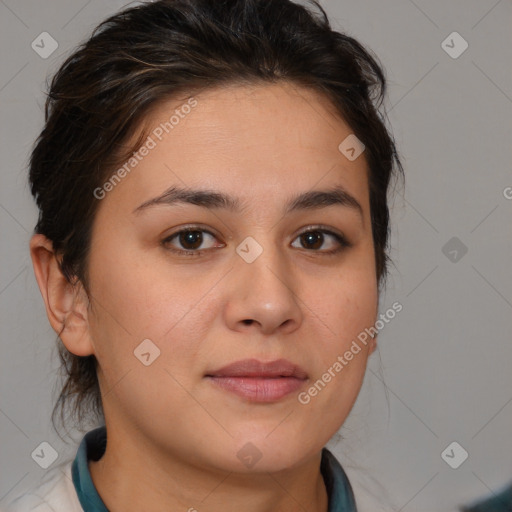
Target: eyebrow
[(311, 200)]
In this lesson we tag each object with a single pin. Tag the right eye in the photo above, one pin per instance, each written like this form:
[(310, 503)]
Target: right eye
[(190, 239)]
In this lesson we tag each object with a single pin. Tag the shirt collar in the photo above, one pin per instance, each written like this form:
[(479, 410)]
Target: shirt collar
[(92, 447)]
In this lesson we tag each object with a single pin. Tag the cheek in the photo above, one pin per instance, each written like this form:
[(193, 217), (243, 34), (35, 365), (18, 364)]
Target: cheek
[(137, 300), (349, 307), (346, 301)]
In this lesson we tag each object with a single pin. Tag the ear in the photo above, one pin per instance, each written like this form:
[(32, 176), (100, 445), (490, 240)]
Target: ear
[(66, 305)]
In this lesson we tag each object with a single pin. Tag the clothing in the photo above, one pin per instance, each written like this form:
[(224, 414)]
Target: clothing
[(499, 502), (69, 486)]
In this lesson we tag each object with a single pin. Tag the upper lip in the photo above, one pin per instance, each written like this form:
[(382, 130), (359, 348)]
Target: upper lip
[(256, 368)]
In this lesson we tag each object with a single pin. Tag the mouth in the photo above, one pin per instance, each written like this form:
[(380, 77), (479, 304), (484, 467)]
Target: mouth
[(258, 381)]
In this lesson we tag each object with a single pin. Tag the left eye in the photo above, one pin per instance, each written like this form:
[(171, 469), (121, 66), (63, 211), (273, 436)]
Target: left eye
[(316, 238), (191, 239)]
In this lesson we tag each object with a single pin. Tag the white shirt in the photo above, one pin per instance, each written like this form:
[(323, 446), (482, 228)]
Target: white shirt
[(55, 493)]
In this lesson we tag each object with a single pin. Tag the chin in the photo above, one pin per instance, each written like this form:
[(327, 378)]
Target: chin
[(268, 451)]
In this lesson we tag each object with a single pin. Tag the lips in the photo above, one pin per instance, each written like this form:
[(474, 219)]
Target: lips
[(257, 381), (255, 368)]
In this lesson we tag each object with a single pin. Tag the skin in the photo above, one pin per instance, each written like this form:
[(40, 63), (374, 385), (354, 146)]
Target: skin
[(171, 432)]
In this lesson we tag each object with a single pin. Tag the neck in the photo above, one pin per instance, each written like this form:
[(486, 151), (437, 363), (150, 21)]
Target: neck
[(153, 481)]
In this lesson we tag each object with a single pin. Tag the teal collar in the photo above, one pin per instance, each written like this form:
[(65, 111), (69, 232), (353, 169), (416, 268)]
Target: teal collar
[(339, 490), (499, 502), (92, 447)]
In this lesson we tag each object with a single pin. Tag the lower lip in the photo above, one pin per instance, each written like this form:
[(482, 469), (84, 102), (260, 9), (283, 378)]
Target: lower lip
[(259, 389)]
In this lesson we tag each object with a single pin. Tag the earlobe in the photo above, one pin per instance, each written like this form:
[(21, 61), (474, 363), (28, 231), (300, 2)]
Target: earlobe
[(66, 305)]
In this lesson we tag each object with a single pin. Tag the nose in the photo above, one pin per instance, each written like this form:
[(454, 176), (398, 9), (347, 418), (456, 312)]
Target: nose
[(262, 295)]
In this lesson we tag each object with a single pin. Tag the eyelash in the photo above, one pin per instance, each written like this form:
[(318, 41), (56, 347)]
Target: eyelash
[(344, 243)]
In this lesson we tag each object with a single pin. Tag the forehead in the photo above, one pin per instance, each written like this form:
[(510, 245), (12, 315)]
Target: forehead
[(260, 141)]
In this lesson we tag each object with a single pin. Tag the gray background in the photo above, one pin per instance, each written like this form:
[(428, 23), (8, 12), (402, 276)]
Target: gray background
[(444, 372)]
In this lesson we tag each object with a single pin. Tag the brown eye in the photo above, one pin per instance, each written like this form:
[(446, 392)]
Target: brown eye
[(314, 239), (191, 241)]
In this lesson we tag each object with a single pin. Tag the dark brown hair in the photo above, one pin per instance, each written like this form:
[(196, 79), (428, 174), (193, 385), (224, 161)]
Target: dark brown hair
[(150, 53)]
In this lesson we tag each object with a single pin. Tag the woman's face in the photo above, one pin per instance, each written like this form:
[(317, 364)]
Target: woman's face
[(252, 285)]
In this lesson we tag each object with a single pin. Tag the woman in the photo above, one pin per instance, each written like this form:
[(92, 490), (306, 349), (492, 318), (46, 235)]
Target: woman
[(211, 244)]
